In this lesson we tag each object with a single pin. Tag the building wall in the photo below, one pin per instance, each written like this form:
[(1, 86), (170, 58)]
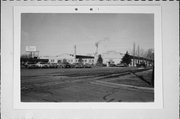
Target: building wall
[(111, 61), (112, 56), (68, 57), (88, 61)]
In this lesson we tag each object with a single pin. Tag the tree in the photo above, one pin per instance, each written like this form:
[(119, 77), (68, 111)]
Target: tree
[(150, 54), (99, 60), (126, 59)]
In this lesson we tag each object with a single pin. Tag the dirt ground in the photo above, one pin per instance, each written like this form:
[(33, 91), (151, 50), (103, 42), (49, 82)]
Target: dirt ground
[(116, 84)]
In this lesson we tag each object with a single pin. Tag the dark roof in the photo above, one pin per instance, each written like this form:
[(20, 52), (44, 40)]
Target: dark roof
[(141, 58), (33, 60), (83, 56)]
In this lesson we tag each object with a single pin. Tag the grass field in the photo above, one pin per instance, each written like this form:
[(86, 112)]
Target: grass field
[(89, 85)]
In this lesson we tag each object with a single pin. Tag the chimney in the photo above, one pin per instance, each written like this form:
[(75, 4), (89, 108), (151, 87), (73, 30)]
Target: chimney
[(96, 44), (96, 53), (74, 53)]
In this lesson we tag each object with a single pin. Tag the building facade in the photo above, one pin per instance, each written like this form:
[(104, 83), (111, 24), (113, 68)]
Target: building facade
[(69, 58), (112, 57)]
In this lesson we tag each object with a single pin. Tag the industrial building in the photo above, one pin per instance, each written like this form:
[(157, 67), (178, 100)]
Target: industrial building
[(70, 58), (109, 57), (112, 57)]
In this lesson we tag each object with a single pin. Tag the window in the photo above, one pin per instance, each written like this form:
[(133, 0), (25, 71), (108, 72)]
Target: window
[(52, 60), (59, 61)]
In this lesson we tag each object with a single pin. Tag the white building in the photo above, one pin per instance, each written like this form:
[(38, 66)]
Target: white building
[(52, 59), (70, 58), (112, 57)]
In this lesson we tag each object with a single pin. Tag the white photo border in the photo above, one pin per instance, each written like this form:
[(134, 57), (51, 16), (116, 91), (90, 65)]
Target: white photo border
[(158, 88)]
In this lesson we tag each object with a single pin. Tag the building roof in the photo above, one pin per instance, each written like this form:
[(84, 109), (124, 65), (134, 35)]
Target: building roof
[(141, 58), (84, 56), (67, 56), (112, 55)]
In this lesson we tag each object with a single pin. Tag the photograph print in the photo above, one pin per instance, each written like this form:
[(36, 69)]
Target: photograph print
[(82, 57)]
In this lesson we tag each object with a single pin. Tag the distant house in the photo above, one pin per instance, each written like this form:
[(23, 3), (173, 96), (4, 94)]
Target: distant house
[(135, 60)]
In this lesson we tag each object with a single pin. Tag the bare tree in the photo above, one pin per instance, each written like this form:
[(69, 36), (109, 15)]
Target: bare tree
[(150, 54), (134, 49), (141, 52)]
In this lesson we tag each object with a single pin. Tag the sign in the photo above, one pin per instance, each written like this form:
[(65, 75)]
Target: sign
[(30, 48)]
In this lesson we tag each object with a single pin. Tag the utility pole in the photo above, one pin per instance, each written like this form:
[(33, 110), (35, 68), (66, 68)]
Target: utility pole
[(138, 53), (134, 52)]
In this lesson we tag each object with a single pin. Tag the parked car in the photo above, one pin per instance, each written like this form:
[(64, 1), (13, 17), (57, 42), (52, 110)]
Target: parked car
[(142, 64), (53, 65), (87, 65), (30, 65), (121, 65), (78, 65), (60, 65), (42, 65), (112, 65), (100, 65), (67, 65), (64, 65)]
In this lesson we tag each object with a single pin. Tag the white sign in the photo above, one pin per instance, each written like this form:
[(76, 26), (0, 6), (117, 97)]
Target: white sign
[(30, 48)]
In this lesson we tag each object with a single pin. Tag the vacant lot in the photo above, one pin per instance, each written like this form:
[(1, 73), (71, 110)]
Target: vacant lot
[(124, 84)]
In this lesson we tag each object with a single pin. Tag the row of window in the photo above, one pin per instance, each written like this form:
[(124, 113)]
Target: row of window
[(71, 60), (86, 61)]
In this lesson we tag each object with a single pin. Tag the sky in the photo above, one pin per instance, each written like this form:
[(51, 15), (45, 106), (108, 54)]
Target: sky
[(57, 33)]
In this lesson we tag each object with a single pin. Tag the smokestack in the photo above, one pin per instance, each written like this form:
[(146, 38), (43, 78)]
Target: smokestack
[(96, 53), (99, 42), (96, 44), (74, 53)]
